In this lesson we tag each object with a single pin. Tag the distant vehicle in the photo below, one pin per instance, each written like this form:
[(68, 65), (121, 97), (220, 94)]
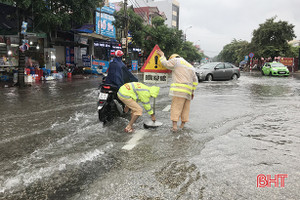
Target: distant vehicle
[(242, 64), (196, 63), (275, 69), (217, 71)]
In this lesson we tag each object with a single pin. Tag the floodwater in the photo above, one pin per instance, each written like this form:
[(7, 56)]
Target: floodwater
[(53, 147)]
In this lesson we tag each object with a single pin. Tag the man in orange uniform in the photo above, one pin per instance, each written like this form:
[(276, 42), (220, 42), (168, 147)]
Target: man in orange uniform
[(182, 89)]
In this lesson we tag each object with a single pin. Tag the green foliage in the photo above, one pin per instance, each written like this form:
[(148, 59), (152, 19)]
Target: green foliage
[(158, 21), (235, 51), (168, 39), (57, 14), (190, 52), (136, 26), (147, 36), (271, 38), (293, 52)]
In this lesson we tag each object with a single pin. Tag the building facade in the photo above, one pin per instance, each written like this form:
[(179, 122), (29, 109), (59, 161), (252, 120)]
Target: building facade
[(148, 13), (169, 7)]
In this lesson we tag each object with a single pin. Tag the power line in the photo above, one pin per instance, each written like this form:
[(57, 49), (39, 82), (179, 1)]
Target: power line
[(138, 6), (140, 13)]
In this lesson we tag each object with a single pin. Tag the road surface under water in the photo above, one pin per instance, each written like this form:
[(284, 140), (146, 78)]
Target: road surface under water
[(53, 147)]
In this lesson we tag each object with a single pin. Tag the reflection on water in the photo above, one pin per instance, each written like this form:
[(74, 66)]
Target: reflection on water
[(267, 90), (52, 145)]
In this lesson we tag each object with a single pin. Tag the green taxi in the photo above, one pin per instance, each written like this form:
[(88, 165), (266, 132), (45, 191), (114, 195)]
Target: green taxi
[(275, 69)]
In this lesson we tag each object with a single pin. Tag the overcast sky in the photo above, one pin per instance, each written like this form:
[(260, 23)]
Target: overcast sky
[(216, 23)]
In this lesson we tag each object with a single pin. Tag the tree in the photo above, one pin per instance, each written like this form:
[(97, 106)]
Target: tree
[(136, 27), (271, 38), (294, 52), (52, 15), (190, 52), (235, 51), (168, 39), (147, 36)]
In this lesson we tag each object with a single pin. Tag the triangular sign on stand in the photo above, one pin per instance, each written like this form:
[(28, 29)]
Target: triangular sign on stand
[(153, 63)]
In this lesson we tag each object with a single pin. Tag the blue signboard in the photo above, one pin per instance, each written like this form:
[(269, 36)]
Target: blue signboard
[(134, 65), (99, 66), (104, 23)]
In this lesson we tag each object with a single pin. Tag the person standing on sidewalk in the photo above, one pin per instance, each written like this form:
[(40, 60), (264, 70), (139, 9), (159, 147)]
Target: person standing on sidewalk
[(182, 89)]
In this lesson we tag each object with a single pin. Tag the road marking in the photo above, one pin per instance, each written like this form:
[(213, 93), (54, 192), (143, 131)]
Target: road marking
[(139, 134), (167, 108)]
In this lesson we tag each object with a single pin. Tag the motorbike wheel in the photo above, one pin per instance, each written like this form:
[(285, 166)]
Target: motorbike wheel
[(105, 113), (102, 117)]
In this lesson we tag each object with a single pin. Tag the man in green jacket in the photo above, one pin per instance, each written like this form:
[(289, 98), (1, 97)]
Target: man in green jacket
[(130, 94)]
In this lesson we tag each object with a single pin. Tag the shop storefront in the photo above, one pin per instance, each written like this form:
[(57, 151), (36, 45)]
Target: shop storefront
[(34, 56), (67, 53), (103, 52), (8, 56)]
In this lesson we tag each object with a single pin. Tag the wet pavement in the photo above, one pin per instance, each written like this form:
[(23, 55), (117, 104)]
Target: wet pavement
[(53, 147)]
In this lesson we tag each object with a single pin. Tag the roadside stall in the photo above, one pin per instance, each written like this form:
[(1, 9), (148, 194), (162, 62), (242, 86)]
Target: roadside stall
[(8, 57)]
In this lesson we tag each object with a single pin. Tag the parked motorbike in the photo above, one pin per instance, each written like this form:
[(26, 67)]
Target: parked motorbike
[(108, 105)]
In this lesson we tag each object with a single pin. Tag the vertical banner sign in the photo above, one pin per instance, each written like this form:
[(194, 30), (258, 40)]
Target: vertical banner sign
[(97, 21), (104, 23), (134, 65), (129, 38), (72, 55), (69, 55)]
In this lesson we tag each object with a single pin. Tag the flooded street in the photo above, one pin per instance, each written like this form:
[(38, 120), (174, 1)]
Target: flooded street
[(52, 145)]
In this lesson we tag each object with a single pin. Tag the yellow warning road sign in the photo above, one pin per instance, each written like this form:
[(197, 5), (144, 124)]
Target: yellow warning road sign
[(153, 63)]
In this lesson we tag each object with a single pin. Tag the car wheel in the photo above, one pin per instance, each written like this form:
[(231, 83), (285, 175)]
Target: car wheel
[(234, 77), (198, 79), (270, 74), (209, 77)]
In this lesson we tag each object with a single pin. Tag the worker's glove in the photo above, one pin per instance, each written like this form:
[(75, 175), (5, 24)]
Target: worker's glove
[(153, 118)]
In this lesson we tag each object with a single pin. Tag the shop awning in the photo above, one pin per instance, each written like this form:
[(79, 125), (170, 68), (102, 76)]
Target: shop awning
[(85, 28), (94, 35)]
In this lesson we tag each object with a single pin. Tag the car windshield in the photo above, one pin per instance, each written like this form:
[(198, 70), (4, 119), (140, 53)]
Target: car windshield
[(277, 65), (208, 65)]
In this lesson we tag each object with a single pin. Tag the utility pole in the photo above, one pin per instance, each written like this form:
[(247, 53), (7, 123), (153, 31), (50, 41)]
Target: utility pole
[(126, 28), (21, 81)]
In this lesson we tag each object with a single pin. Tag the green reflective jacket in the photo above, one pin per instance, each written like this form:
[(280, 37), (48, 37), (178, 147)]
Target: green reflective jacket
[(140, 93)]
